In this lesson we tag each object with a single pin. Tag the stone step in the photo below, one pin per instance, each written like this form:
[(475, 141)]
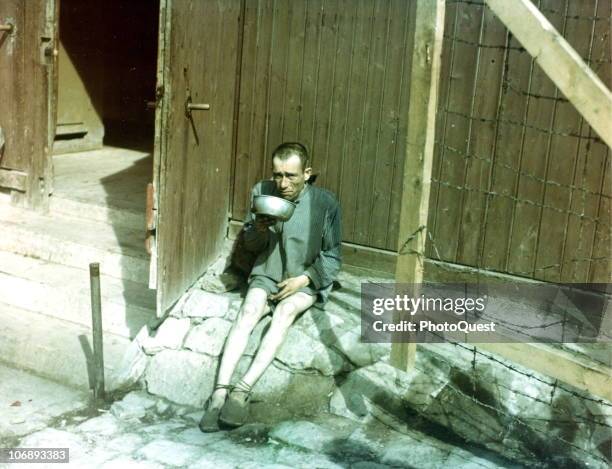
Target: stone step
[(64, 292), (113, 214), (75, 242), (54, 348)]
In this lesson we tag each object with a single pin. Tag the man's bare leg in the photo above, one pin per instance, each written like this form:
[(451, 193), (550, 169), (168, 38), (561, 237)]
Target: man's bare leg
[(252, 310), (283, 317)]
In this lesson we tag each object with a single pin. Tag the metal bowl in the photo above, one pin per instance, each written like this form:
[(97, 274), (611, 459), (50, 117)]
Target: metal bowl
[(273, 206)]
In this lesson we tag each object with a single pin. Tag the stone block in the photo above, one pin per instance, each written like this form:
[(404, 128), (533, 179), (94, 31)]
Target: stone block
[(220, 283), (162, 407), (163, 428), (316, 321), (202, 304), (133, 405), (194, 436), (194, 417), (208, 337), (227, 453), (181, 376), (369, 465), (170, 453), (169, 335), (302, 352), (360, 353), (365, 442), (303, 434), (53, 438), (283, 394), (382, 388), (130, 369), (271, 385), (106, 424), (408, 452), (125, 462), (125, 443), (299, 458)]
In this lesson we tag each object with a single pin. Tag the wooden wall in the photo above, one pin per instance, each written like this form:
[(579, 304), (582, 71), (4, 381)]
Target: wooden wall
[(522, 183), (333, 75)]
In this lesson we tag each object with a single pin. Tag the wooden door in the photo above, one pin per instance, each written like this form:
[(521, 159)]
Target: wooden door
[(27, 57), (197, 66), (332, 74)]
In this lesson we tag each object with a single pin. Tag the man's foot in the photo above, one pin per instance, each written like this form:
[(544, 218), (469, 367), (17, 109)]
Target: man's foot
[(235, 411), (210, 420)]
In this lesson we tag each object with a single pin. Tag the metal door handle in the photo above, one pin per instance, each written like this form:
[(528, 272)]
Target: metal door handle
[(7, 27), (189, 106), (198, 107)]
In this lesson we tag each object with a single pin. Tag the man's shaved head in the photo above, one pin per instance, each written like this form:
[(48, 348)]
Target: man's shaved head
[(290, 169), (286, 150)]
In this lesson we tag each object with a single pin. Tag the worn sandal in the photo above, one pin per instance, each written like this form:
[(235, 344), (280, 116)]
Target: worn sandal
[(235, 411), (210, 420)]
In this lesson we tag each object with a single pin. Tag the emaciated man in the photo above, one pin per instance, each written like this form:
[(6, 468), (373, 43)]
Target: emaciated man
[(297, 262)]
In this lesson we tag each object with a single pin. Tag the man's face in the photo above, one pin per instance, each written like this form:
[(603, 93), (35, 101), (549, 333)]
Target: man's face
[(289, 176)]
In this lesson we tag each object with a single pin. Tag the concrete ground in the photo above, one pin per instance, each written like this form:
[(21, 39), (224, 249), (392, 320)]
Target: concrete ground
[(29, 403), (144, 431)]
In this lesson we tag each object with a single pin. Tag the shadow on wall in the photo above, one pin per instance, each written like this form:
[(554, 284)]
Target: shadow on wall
[(107, 72)]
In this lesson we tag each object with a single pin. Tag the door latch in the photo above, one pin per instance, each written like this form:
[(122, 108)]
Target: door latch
[(190, 106)]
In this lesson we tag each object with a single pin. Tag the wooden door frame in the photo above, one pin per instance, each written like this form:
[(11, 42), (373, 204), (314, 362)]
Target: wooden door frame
[(159, 142)]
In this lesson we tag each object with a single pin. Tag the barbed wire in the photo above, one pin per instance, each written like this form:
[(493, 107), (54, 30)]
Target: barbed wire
[(500, 120), (574, 17), (529, 273), (602, 221), (514, 369), (484, 46), (533, 177), (522, 423), (519, 49), (559, 99), (554, 387), (582, 216), (543, 10)]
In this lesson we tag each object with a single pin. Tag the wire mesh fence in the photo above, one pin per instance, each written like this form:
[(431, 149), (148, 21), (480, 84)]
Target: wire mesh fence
[(521, 184)]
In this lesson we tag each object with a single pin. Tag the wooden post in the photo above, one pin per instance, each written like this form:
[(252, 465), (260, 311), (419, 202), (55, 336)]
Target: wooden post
[(428, 30), (96, 328), (580, 85)]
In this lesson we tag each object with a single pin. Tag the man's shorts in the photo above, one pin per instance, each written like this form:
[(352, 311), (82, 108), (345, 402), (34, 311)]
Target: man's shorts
[(269, 285)]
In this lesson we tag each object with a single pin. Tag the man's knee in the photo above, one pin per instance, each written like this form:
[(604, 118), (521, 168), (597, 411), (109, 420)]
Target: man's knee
[(249, 315), (286, 312)]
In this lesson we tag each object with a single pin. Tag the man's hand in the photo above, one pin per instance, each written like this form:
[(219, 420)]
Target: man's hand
[(263, 222), (290, 286)]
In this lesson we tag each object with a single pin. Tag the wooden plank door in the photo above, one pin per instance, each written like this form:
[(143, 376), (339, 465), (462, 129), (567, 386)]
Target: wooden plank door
[(27, 57), (332, 75), (192, 160)]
